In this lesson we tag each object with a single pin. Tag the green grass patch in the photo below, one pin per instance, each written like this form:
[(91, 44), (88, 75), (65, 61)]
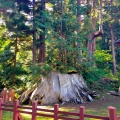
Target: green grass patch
[(98, 107)]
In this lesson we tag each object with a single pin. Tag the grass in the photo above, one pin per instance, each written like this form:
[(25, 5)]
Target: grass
[(102, 111), (7, 115), (98, 107)]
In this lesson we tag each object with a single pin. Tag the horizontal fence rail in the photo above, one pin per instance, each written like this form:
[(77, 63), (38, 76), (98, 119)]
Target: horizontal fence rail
[(55, 113)]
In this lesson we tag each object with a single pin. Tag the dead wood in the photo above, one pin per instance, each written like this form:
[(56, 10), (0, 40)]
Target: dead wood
[(115, 93), (57, 87)]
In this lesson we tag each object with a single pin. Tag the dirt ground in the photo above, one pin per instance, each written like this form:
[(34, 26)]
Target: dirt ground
[(98, 106)]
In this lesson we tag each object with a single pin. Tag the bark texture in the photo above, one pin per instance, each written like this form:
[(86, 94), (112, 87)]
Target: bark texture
[(59, 87)]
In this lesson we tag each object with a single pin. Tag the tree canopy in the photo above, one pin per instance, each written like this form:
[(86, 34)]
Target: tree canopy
[(58, 35)]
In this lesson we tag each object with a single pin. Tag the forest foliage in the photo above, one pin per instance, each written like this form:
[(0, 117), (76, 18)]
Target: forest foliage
[(37, 37)]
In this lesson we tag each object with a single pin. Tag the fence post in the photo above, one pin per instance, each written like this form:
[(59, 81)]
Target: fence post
[(82, 111), (1, 101), (7, 96), (11, 95), (15, 111), (112, 113), (34, 110), (56, 109)]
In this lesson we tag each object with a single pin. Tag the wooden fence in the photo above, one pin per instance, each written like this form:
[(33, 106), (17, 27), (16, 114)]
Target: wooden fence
[(56, 114), (7, 95)]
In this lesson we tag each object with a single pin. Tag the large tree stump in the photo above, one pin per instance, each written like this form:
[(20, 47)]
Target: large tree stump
[(57, 87)]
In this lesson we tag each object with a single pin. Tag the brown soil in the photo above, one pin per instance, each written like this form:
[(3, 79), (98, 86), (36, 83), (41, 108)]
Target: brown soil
[(98, 106)]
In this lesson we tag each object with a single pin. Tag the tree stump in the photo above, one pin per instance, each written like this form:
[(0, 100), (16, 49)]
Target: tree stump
[(57, 87)]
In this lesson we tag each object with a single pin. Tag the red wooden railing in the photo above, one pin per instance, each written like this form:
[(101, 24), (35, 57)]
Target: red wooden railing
[(56, 114), (7, 95)]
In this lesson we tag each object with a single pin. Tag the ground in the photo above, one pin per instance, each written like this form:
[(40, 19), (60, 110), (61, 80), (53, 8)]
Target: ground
[(98, 107)]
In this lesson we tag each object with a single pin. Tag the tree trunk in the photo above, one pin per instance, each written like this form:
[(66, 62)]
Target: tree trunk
[(57, 87), (14, 61), (79, 45), (41, 55), (34, 35), (113, 51), (112, 46), (63, 51), (91, 45)]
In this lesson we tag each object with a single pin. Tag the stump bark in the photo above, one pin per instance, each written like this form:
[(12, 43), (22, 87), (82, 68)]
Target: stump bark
[(57, 87)]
